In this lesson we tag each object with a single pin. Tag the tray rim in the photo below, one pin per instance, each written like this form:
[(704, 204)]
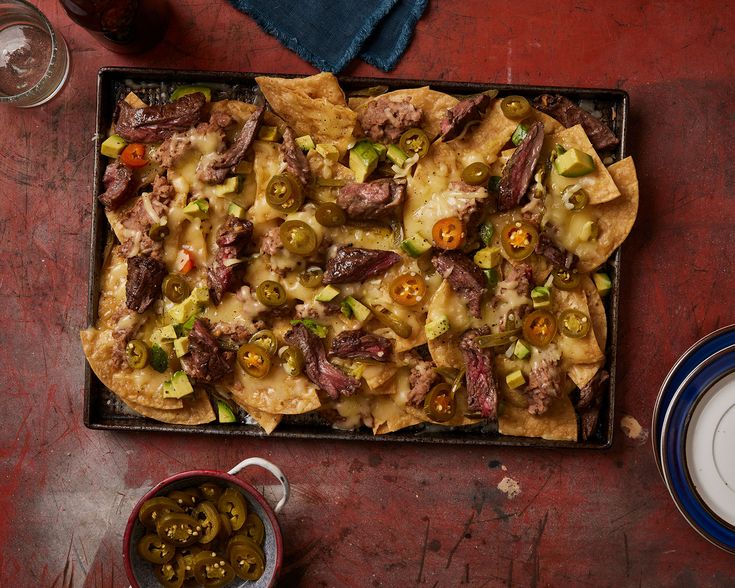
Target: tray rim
[(109, 75)]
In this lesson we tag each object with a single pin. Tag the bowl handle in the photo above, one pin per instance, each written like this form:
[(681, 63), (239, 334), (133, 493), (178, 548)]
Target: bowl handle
[(273, 469)]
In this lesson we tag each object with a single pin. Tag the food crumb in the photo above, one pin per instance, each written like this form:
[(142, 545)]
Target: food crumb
[(509, 487), (633, 429)]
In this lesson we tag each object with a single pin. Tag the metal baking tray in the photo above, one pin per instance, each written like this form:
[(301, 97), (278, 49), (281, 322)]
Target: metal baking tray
[(102, 409)]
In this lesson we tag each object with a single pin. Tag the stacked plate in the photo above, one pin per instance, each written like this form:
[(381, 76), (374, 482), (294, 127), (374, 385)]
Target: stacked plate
[(694, 436)]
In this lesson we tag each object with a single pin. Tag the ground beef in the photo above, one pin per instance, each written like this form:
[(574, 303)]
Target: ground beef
[(137, 220), (522, 275), (233, 333), (385, 120), (371, 201), (423, 377), (271, 242), (119, 185), (544, 384), (554, 254)]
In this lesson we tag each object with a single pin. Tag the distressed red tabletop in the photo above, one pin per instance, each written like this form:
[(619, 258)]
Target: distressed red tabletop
[(382, 514)]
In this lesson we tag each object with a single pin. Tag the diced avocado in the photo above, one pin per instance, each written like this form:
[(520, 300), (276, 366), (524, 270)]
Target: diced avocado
[(165, 333), (200, 294), (436, 327), (487, 257), (328, 293), (181, 346), (541, 297), (182, 91), (396, 155), (363, 160), (381, 150), (224, 413), (574, 163), (113, 146), (416, 245), (521, 350), (486, 233), (185, 328), (197, 209), (178, 386), (305, 143), (189, 306), (231, 185), (267, 133), (515, 379), (327, 151), (236, 210), (359, 310), (492, 277), (603, 283), (519, 134), (244, 167)]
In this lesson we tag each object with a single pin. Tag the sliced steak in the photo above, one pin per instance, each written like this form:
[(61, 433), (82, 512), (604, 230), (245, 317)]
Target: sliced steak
[(554, 254), (153, 124), (569, 114), (294, 158), (591, 393), (206, 361), (421, 380), (482, 387), (143, 286), (214, 170), (333, 381), (355, 264), (359, 344), (385, 120), (462, 114), (464, 277), (518, 172), (544, 384), (371, 201), (119, 185), (232, 238)]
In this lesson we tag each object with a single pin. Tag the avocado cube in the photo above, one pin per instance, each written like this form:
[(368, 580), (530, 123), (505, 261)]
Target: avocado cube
[(178, 386), (328, 293), (602, 282), (197, 209), (437, 327), (231, 185), (541, 297), (381, 150), (574, 163), (396, 155), (181, 346), (236, 210), (359, 311), (363, 160), (113, 146), (305, 143), (415, 246), (521, 351), (267, 133), (327, 151), (182, 91), (487, 257), (515, 379), (224, 412), (165, 333)]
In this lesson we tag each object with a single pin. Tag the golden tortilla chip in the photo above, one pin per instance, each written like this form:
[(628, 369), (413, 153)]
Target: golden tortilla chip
[(559, 423), (551, 125), (389, 417), (277, 393), (483, 141), (266, 420), (581, 374), (433, 104), (576, 350), (313, 106), (196, 410), (598, 184), (237, 109), (380, 377), (615, 219), (143, 387)]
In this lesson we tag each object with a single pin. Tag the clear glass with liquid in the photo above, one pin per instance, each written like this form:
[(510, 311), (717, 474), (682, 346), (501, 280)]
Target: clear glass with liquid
[(34, 59)]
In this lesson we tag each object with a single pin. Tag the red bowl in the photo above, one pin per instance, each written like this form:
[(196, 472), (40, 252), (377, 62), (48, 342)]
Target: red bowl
[(140, 572)]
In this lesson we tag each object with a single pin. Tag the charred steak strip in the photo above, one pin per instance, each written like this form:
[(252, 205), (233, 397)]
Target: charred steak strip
[(544, 384), (119, 185), (206, 361), (385, 120), (482, 388), (319, 370), (371, 201), (354, 264), (464, 277), (294, 158), (569, 114), (518, 172), (359, 344), (554, 254), (215, 170), (153, 124), (232, 238), (591, 392), (461, 114), (143, 285)]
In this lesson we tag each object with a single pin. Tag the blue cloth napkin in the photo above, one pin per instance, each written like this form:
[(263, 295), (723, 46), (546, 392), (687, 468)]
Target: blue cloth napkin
[(331, 33)]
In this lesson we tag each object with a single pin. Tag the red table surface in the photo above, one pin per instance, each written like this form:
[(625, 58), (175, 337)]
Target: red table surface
[(365, 514)]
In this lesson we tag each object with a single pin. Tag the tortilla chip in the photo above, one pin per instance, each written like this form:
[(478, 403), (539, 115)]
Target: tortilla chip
[(433, 104), (379, 377), (460, 418), (314, 106), (389, 417), (551, 125), (576, 350), (237, 109), (143, 387), (581, 374), (277, 393), (265, 419), (615, 219), (196, 410), (483, 141), (559, 423), (598, 184)]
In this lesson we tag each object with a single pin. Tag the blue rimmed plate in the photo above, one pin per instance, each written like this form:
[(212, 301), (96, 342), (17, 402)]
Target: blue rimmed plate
[(684, 366), (698, 433)]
